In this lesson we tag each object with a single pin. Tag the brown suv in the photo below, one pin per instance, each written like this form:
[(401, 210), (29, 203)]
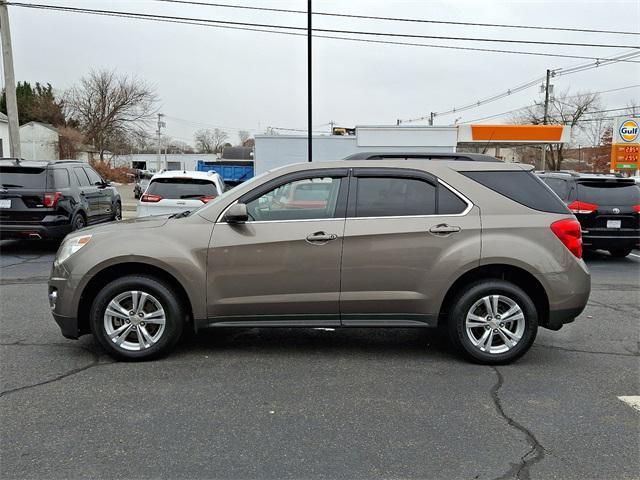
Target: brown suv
[(484, 250)]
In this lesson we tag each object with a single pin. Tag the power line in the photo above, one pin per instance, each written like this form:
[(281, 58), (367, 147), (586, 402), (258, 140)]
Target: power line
[(334, 37), (323, 30), (396, 19), (524, 86), (570, 96)]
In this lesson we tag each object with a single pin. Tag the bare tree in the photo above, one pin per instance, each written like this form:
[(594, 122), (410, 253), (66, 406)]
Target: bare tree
[(243, 136), (564, 109), (210, 141), (108, 107)]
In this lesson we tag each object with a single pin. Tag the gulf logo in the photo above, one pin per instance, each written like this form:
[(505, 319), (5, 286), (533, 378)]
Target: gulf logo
[(629, 131)]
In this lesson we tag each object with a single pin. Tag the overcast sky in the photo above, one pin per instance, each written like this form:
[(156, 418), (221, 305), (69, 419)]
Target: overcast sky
[(209, 77)]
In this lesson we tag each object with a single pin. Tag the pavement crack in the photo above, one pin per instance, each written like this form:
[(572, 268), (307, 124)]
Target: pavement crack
[(594, 352), (536, 453)]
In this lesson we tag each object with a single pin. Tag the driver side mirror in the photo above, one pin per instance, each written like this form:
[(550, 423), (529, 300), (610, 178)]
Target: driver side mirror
[(237, 213)]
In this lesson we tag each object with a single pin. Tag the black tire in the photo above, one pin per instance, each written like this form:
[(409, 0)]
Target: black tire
[(117, 212), (462, 305), (78, 221), (620, 252), (159, 291)]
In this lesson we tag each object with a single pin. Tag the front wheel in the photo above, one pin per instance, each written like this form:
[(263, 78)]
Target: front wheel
[(493, 322), (137, 318), (620, 252)]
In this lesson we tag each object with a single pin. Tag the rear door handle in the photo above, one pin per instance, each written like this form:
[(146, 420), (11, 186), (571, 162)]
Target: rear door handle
[(444, 229), (321, 237)]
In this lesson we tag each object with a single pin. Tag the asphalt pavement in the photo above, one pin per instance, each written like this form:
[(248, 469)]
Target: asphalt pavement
[(303, 403)]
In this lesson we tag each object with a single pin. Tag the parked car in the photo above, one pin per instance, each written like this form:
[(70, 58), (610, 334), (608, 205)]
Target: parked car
[(179, 191), (47, 200), (484, 250), (607, 206), (142, 182)]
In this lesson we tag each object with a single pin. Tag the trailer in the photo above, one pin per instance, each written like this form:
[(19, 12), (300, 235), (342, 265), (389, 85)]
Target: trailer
[(232, 173)]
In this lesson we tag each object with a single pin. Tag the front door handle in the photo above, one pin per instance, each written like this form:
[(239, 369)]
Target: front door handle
[(321, 237), (444, 229)]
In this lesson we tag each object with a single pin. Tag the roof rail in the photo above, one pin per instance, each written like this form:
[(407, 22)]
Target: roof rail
[(465, 157)]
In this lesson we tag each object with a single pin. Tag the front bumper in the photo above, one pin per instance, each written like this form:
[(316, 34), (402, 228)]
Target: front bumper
[(68, 326)]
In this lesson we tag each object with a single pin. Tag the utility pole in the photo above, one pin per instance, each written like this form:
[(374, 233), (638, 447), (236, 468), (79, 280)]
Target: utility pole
[(309, 91), (9, 82), (546, 116), (161, 124), (331, 125), (432, 115)]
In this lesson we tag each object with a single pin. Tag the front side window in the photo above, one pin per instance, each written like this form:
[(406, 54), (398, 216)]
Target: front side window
[(390, 197), (305, 199), (94, 178), (83, 180)]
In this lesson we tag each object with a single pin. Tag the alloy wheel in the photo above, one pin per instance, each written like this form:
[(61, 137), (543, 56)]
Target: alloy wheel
[(134, 320), (495, 324)]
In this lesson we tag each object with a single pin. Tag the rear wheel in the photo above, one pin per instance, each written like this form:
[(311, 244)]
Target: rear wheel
[(137, 318), (78, 221), (493, 322), (620, 252)]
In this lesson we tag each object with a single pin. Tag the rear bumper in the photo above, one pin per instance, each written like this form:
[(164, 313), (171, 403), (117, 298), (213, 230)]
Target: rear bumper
[(558, 318), (33, 231), (611, 240)]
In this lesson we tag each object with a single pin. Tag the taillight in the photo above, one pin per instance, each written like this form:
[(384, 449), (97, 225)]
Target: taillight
[(636, 208), (207, 198), (51, 199), (150, 197), (570, 234), (582, 207)]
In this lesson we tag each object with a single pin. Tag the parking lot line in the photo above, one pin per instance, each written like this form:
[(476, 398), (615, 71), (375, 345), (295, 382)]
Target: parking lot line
[(633, 400), (634, 255)]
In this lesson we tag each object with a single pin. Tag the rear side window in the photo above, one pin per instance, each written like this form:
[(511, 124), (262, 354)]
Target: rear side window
[(61, 178), (522, 187), (609, 193), (182, 188), (23, 177), (391, 197)]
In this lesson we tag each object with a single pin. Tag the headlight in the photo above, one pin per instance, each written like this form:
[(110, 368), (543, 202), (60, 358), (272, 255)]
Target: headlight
[(71, 246)]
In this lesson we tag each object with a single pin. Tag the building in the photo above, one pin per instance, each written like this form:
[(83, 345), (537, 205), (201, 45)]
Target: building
[(4, 136), (273, 151), (39, 141)]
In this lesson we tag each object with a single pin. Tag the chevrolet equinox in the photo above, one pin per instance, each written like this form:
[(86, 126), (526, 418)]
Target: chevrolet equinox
[(483, 250)]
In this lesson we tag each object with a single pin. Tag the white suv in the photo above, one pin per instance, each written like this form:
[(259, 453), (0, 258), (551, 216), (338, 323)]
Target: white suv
[(178, 191)]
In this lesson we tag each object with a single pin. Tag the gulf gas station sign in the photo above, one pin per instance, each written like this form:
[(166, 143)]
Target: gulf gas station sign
[(625, 148)]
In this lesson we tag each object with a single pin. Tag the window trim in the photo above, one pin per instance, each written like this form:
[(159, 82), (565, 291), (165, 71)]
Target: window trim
[(367, 172)]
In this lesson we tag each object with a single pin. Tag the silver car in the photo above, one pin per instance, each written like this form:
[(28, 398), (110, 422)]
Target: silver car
[(483, 250)]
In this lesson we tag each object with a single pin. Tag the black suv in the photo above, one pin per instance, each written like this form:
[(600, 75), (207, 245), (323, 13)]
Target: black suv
[(47, 200), (607, 206)]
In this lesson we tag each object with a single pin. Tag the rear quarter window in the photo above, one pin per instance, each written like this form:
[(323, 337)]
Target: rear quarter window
[(522, 187), (60, 178)]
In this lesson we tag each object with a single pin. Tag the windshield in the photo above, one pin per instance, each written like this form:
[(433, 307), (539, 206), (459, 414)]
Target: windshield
[(231, 190)]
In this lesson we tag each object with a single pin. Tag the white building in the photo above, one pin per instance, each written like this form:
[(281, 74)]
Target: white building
[(275, 151), (4, 136), (39, 141)]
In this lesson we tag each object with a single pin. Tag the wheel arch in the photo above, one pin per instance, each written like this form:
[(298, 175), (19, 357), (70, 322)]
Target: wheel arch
[(516, 275), (112, 272)]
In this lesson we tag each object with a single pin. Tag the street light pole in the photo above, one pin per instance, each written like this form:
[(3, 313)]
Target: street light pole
[(9, 81), (546, 116), (309, 84)]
